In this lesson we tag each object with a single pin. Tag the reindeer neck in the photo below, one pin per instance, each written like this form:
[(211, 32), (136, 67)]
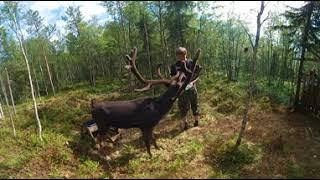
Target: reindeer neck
[(167, 98)]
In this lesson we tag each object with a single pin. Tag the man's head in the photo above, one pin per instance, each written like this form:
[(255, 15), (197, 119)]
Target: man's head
[(181, 54)]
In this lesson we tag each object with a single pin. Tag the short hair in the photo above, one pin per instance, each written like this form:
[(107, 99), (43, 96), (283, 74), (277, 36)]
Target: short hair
[(181, 51)]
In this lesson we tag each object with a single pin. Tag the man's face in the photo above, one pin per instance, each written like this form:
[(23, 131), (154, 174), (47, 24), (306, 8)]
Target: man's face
[(181, 57)]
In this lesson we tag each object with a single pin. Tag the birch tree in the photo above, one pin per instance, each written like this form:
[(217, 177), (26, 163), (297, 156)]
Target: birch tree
[(35, 21), (1, 112), (8, 107), (10, 91), (251, 84), (10, 11)]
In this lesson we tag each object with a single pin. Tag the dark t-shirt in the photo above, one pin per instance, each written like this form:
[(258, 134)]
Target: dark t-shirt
[(178, 66)]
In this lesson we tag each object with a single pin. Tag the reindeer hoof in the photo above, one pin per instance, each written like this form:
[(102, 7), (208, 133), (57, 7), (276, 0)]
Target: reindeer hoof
[(108, 158), (116, 138)]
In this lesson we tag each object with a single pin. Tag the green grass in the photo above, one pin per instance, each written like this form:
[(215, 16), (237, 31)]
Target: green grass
[(62, 153), (88, 168), (294, 170), (60, 116), (227, 161), (162, 163)]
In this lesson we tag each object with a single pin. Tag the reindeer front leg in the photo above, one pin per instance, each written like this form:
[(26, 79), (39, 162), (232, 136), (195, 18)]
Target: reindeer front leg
[(117, 136), (101, 137), (147, 136), (154, 142), (98, 141)]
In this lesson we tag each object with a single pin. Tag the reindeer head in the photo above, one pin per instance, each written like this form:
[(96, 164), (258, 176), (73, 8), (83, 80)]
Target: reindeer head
[(177, 82)]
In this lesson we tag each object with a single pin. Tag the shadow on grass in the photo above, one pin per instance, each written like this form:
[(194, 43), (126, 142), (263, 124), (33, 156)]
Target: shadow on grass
[(84, 148), (222, 157)]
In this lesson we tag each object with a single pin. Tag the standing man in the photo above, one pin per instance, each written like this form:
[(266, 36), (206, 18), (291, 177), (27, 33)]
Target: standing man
[(190, 95)]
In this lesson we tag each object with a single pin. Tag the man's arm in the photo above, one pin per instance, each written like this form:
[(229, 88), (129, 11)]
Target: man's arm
[(192, 82)]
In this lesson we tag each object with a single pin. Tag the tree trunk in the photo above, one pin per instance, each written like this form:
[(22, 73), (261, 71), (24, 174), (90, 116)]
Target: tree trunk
[(284, 70), (238, 66), (304, 41), (235, 69), (1, 112), (32, 92), (199, 31), (273, 63), (43, 79), (29, 75), (182, 40), (42, 44), (56, 73), (37, 82), (120, 8), (8, 107), (10, 90), (224, 60), (94, 74), (229, 63), (49, 72), (148, 51), (245, 116), (293, 68), (68, 73), (272, 69), (163, 49), (252, 83), (130, 76)]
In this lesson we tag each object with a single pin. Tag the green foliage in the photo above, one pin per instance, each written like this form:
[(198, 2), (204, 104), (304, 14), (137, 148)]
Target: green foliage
[(224, 96), (180, 13), (277, 93)]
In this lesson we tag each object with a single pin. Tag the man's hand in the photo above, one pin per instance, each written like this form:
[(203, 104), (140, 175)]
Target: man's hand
[(190, 85)]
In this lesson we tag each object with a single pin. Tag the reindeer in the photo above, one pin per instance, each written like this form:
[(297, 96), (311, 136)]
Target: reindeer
[(143, 113)]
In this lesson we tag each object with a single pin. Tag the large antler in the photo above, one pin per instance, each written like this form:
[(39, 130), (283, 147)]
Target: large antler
[(195, 68), (149, 83)]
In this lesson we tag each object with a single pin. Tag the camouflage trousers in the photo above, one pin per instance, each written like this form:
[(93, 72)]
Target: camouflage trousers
[(186, 99)]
